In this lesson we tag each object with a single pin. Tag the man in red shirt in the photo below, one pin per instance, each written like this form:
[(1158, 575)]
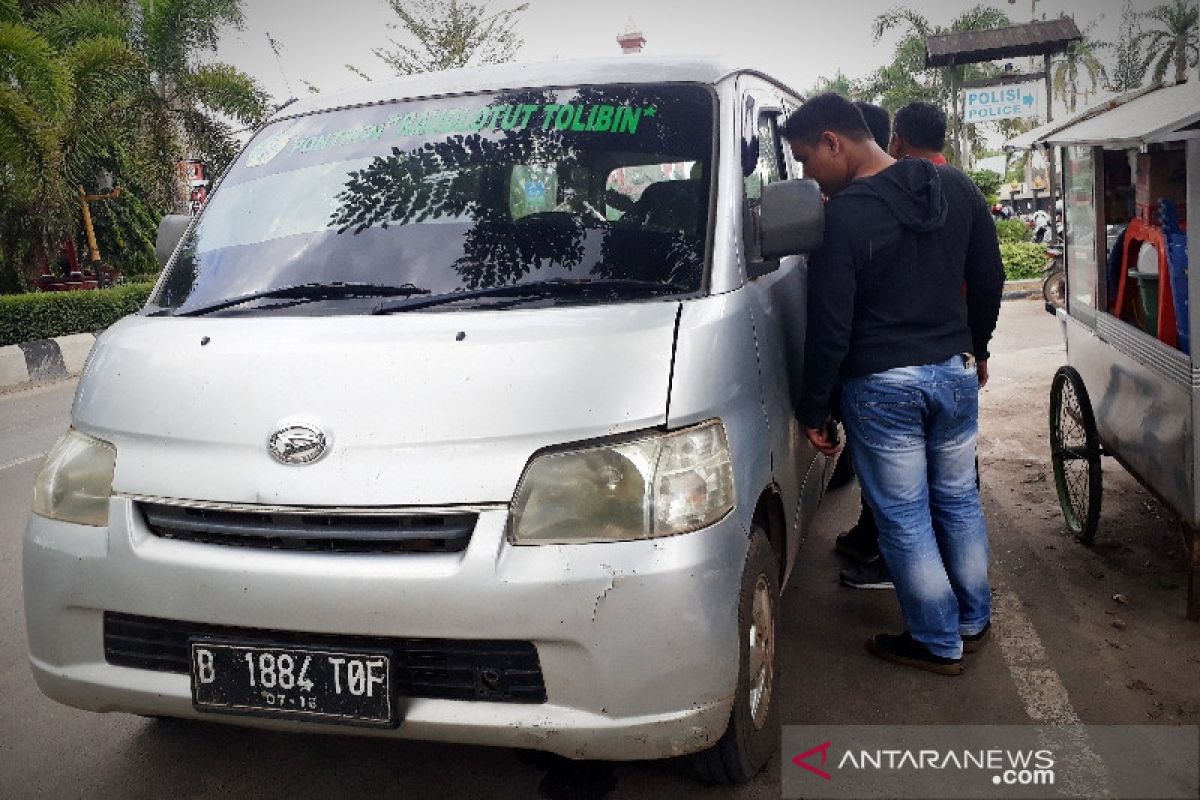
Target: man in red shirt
[(919, 131)]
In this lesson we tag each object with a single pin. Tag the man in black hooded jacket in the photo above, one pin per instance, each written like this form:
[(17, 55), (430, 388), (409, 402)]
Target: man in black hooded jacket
[(902, 300)]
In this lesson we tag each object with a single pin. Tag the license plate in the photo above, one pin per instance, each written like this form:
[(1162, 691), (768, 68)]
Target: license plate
[(297, 682)]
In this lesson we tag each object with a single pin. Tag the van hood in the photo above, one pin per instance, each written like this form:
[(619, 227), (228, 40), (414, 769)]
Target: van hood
[(425, 409)]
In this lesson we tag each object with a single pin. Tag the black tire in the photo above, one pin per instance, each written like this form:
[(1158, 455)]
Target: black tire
[(1054, 289), (1075, 454), (752, 734)]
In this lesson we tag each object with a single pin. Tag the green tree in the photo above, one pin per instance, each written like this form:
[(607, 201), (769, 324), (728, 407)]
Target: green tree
[(1175, 40), (906, 79), (1081, 58), (838, 84), (450, 33), (186, 102), (89, 87), (987, 181), (66, 75), (1015, 167), (1129, 68)]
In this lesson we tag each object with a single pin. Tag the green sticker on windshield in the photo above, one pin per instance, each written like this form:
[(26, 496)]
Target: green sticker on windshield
[(579, 118), (324, 141), (567, 118)]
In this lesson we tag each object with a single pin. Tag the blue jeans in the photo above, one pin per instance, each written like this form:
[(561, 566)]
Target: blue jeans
[(912, 432)]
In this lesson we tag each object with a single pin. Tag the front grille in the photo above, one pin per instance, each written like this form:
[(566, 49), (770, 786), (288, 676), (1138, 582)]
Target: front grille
[(447, 669), (311, 531)]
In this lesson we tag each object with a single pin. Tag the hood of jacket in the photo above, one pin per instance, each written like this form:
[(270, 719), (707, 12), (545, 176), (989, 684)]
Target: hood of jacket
[(911, 188)]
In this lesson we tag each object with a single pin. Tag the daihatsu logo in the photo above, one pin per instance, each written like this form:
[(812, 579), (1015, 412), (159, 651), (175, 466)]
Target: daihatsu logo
[(297, 444)]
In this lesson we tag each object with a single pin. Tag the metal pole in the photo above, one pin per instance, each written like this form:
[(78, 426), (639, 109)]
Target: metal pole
[(1051, 178), (93, 250), (89, 229), (957, 149)]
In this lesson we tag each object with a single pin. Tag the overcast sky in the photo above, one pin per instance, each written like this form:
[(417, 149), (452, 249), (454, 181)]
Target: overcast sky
[(794, 40)]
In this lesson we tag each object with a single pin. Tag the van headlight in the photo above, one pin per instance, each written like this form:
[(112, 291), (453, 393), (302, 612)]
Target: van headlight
[(658, 485), (76, 480)]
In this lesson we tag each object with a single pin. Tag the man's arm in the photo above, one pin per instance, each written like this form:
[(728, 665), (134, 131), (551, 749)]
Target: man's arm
[(831, 289), (984, 279)]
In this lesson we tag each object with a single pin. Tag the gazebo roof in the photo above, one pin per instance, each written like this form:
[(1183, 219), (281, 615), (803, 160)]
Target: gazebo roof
[(1029, 39)]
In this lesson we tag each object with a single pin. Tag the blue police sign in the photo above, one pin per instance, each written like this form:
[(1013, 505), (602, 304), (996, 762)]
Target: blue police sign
[(991, 103)]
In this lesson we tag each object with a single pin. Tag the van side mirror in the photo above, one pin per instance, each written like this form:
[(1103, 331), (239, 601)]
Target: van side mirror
[(791, 218), (170, 231)]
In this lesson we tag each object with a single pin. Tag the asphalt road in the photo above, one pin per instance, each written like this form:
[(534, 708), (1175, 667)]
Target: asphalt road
[(1053, 600)]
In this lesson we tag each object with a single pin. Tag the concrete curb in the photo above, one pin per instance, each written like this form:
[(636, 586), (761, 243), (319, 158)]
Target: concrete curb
[(44, 359), (1018, 290)]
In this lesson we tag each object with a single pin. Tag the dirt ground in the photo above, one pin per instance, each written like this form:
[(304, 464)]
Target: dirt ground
[(1118, 603)]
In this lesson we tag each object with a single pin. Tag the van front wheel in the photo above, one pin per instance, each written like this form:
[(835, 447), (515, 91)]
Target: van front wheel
[(753, 731)]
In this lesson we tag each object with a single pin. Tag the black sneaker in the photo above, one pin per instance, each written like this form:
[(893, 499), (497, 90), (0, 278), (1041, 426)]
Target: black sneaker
[(975, 642), (871, 575), (858, 544), (903, 649)]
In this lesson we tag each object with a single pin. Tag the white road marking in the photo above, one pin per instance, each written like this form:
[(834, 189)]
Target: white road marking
[(21, 461), (1080, 771)]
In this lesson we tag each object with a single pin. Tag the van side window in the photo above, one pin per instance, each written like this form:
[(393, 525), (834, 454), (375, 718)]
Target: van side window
[(792, 167), (770, 158), (768, 167)]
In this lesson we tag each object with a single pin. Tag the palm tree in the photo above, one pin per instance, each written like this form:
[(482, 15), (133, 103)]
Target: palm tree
[(1082, 56), (1129, 68), (184, 100), (95, 86), (906, 79), (1176, 40), (64, 76)]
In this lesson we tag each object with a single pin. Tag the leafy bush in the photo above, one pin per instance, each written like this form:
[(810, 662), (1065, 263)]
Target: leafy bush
[(987, 181), (138, 277), (1022, 260), (1013, 230), (40, 315)]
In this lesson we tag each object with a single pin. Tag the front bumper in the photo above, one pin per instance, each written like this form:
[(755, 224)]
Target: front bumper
[(637, 640)]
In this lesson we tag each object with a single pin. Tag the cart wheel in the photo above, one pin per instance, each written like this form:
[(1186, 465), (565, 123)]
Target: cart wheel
[(1075, 453)]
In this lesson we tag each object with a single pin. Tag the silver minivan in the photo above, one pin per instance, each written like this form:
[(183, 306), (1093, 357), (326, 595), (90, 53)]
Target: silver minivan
[(462, 412)]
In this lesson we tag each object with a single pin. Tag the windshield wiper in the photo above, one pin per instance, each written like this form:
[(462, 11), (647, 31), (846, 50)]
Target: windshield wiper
[(535, 289), (308, 291)]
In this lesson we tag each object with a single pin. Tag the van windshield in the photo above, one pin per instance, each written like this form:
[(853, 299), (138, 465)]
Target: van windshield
[(446, 195)]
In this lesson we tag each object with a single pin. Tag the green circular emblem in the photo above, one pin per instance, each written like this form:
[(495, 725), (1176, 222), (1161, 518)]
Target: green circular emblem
[(264, 151)]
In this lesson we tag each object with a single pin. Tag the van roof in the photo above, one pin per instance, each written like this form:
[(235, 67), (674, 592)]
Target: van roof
[(621, 69)]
